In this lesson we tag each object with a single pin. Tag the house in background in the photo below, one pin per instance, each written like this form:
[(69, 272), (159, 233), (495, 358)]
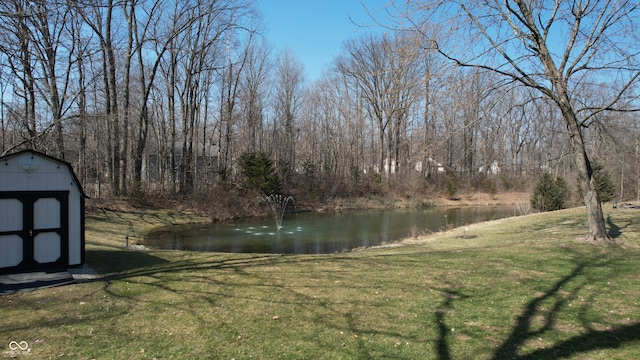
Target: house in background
[(41, 214)]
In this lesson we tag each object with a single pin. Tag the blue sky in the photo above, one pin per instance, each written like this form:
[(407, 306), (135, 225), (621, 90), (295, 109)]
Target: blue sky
[(315, 29)]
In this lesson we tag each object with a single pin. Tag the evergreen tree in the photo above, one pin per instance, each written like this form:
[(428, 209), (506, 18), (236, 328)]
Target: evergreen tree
[(451, 185), (549, 194), (604, 186), (259, 172)]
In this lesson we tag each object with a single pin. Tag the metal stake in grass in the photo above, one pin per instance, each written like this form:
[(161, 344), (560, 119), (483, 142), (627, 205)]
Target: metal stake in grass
[(278, 204)]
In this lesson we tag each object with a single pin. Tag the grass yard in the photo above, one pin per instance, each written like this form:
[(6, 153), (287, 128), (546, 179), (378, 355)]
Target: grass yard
[(519, 288)]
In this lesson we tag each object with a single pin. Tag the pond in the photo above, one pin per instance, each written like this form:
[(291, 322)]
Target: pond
[(319, 233)]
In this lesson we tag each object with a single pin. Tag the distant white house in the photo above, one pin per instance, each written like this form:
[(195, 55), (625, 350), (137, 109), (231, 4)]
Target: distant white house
[(390, 168), (432, 164), (493, 169), (41, 214)]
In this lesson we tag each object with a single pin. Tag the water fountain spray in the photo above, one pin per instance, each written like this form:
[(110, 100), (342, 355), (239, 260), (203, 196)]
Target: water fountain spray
[(278, 204)]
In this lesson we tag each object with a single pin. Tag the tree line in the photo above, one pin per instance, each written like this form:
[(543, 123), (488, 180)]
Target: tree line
[(167, 97)]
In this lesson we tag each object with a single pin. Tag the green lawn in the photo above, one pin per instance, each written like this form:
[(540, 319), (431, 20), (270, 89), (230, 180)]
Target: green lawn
[(519, 288)]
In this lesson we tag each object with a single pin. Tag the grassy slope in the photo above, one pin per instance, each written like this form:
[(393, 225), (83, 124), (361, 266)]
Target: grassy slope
[(524, 288)]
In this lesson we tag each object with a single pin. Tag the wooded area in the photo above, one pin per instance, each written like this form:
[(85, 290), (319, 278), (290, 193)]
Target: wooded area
[(165, 97)]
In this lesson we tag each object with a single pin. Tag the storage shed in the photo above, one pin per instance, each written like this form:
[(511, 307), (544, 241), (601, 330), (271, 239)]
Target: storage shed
[(41, 214)]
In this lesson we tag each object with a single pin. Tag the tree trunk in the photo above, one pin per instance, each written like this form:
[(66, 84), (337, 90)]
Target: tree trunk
[(128, 9), (28, 83), (112, 110), (82, 118), (171, 109), (597, 232)]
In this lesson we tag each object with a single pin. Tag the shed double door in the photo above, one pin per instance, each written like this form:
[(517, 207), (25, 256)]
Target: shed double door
[(33, 230)]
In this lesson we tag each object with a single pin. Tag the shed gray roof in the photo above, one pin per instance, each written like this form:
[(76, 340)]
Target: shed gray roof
[(50, 158)]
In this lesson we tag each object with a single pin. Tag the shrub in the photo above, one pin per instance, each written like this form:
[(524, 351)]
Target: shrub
[(489, 186), (549, 194)]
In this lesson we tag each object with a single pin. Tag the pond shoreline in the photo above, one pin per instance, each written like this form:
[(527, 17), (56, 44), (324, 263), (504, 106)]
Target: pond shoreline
[(320, 232), (386, 203), (189, 214)]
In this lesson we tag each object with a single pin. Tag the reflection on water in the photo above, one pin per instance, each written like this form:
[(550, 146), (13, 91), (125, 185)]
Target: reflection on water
[(319, 233)]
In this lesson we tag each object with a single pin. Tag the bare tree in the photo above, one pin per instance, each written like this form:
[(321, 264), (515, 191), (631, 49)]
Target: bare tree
[(253, 92), (289, 79), (152, 35), (238, 54), (3, 129), (99, 16), (199, 46), (386, 72), (433, 83), (326, 131), (169, 130), (552, 47), (49, 28), (81, 60), (15, 44)]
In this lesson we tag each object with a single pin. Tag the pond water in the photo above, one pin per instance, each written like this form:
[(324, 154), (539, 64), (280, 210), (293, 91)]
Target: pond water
[(318, 233)]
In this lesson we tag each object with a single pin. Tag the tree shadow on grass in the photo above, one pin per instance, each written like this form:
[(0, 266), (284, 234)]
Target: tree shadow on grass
[(442, 345), (123, 264), (592, 339), (118, 261), (615, 231)]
